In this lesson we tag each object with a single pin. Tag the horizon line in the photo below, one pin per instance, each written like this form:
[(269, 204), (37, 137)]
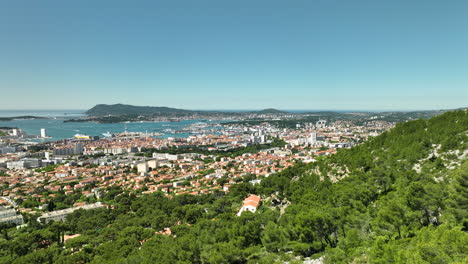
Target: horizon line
[(246, 109)]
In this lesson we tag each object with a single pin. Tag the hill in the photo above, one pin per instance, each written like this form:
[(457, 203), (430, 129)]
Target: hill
[(123, 109), (10, 118), (271, 111), (400, 197)]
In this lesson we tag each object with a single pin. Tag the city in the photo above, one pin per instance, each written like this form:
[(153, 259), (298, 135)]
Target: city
[(243, 132), (85, 169)]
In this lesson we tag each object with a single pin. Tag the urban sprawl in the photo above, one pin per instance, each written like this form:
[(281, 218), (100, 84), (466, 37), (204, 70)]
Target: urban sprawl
[(53, 179)]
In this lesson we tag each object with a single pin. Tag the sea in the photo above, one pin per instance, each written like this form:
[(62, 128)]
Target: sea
[(57, 129)]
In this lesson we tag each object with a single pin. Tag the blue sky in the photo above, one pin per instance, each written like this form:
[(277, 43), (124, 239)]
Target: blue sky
[(315, 54)]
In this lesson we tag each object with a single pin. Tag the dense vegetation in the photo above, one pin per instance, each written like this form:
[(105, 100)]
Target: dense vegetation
[(401, 197)]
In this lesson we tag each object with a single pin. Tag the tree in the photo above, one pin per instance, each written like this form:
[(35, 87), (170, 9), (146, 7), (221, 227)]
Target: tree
[(392, 214), (274, 237)]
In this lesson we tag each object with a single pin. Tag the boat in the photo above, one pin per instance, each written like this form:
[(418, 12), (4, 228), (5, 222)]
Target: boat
[(107, 134), (81, 136)]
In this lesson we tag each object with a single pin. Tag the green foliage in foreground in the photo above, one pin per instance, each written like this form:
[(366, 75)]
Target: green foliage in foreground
[(403, 200)]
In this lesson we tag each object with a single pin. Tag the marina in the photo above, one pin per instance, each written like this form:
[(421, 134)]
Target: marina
[(57, 129)]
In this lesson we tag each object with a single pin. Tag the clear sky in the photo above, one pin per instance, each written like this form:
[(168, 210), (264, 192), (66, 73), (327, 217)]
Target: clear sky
[(243, 54)]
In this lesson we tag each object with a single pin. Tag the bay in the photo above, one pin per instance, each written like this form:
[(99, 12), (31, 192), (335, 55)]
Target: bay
[(57, 129)]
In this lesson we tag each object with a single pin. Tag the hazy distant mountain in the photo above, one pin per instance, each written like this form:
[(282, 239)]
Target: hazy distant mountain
[(132, 110), (122, 109), (271, 111)]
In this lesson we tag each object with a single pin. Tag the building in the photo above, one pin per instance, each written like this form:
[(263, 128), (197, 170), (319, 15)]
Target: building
[(341, 145), (250, 204), (43, 133), (115, 151), (162, 156), (6, 150), (24, 164), (77, 149), (153, 164), (313, 138), (16, 219), (321, 124), (60, 215), (9, 216), (142, 167), (5, 212)]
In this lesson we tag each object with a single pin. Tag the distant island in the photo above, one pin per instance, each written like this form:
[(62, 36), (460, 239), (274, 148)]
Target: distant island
[(21, 117), (123, 109), (271, 111), (116, 113)]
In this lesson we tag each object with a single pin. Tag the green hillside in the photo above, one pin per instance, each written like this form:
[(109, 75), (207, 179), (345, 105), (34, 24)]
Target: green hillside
[(401, 197)]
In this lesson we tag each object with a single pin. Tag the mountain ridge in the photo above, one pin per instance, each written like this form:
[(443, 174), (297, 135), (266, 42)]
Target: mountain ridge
[(126, 109)]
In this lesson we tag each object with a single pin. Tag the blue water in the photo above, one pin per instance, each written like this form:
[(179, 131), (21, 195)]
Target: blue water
[(57, 129), (43, 113)]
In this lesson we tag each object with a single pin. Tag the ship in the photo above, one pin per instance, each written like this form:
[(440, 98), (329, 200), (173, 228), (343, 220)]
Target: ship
[(107, 134), (81, 136)]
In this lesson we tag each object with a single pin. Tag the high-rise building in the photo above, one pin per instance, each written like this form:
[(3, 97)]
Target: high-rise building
[(43, 133), (78, 149), (313, 138)]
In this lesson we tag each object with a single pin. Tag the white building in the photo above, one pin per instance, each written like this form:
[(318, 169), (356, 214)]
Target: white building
[(115, 151), (164, 156), (61, 214), (250, 204), (153, 164), (43, 133), (24, 164), (321, 124), (313, 138), (9, 216), (142, 167), (77, 149)]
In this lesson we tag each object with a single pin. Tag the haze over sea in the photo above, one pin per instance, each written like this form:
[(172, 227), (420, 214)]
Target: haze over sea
[(57, 129)]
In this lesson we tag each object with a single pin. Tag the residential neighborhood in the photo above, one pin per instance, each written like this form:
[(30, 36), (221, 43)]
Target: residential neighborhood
[(210, 160)]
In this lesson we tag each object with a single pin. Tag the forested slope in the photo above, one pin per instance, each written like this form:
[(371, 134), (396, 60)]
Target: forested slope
[(401, 197)]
